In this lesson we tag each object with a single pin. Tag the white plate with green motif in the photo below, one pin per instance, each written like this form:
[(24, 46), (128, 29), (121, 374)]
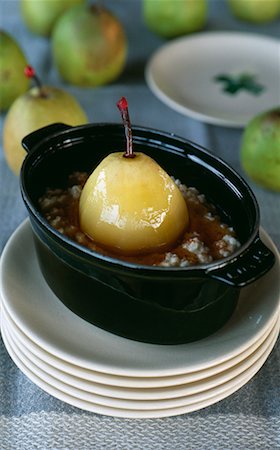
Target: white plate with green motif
[(222, 78)]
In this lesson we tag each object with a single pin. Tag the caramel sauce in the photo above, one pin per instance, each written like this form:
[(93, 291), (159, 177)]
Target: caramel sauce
[(61, 208)]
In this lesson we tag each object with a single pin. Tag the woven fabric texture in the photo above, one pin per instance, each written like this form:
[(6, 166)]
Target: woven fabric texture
[(30, 418)]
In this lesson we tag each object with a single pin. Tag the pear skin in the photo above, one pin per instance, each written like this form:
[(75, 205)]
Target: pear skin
[(41, 15), (255, 11), (89, 46), (171, 18), (32, 111), (13, 83), (260, 149), (132, 206)]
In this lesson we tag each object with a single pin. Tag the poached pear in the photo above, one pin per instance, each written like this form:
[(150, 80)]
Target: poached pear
[(89, 46), (172, 18), (41, 15), (255, 11), (129, 204), (260, 149), (12, 62), (38, 107)]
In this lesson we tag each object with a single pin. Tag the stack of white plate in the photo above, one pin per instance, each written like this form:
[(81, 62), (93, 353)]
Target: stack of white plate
[(97, 371)]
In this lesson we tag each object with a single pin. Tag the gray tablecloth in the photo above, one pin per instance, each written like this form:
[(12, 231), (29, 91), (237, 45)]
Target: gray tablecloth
[(30, 418)]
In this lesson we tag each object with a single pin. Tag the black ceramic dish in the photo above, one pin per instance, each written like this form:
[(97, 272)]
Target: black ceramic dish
[(150, 304)]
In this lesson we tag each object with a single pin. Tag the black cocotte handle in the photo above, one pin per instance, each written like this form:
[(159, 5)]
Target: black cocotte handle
[(246, 268), (30, 141)]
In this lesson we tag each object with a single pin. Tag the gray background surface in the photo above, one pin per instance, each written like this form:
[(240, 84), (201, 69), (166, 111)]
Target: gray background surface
[(30, 418)]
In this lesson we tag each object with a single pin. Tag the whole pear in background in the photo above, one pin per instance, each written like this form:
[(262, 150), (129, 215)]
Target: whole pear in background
[(255, 11), (12, 62), (38, 107), (89, 46), (41, 15), (260, 149), (171, 18)]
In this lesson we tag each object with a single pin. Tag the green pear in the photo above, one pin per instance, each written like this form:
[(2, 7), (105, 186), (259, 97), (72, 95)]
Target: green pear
[(171, 18), (12, 63), (41, 15), (89, 46), (129, 204), (255, 11), (38, 107), (260, 149)]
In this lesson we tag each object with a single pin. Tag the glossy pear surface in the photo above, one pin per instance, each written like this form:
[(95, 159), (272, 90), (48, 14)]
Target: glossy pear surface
[(32, 111), (132, 206)]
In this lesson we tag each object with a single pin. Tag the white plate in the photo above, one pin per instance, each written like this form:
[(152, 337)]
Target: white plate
[(182, 74), (78, 398), (128, 387), (129, 394), (46, 321)]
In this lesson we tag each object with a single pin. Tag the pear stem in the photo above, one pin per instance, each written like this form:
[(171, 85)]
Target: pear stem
[(30, 73), (123, 107)]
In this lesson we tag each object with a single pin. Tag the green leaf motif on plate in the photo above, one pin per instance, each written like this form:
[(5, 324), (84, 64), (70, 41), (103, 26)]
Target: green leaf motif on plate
[(232, 84)]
